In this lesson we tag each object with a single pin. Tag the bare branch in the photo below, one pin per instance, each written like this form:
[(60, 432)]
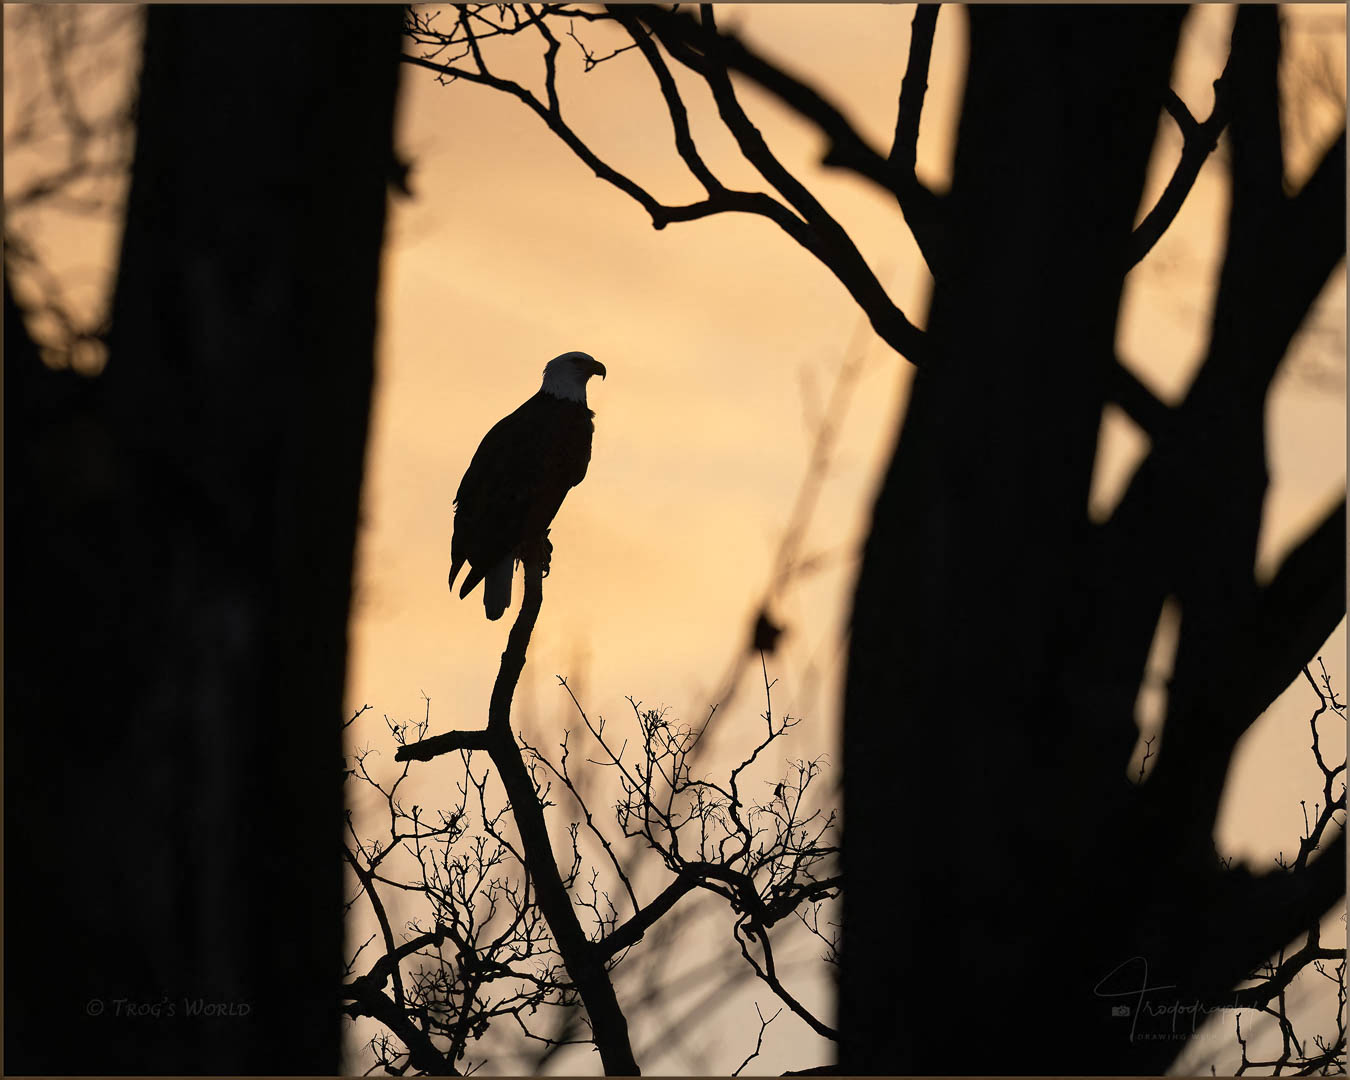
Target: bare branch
[(770, 976), (630, 933), (445, 743), (825, 238), (1294, 614), (921, 207), (1198, 142), (759, 1040), (584, 965), (815, 229)]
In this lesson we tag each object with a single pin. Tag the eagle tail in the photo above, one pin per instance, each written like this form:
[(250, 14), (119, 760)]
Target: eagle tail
[(497, 588), (473, 577), (455, 564)]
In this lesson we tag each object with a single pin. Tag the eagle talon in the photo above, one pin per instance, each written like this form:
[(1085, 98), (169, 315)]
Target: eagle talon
[(539, 550)]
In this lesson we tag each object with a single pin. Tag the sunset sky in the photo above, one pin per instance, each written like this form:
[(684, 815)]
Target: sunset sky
[(722, 340), (721, 337)]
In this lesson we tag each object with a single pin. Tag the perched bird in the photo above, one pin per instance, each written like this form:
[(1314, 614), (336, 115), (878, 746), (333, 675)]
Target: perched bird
[(764, 638), (518, 478)]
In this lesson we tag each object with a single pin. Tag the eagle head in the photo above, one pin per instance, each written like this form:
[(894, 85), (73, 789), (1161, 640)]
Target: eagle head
[(565, 376)]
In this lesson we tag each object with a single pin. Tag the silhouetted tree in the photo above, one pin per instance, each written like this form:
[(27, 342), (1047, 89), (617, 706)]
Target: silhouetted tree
[(178, 557), (981, 549), (509, 930), (1004, 862)]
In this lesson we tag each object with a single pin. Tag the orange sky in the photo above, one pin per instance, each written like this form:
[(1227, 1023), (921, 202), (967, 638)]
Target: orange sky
[(512, 252)]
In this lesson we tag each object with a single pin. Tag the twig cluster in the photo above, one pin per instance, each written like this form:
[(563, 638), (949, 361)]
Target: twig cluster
[(485, 950), (481, 952), (769, 857), (1326, 1055), (1267, 996)]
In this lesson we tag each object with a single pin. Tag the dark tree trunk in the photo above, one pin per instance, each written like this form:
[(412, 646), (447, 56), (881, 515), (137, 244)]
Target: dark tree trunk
[(179, 551), (999, 868)]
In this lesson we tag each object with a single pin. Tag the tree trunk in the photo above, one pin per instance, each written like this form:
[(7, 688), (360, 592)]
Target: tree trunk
[(181, 574), (1013, 904), (970, 932)]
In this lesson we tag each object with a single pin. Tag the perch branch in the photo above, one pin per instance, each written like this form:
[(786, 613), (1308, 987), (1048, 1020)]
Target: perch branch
[(585, 965)]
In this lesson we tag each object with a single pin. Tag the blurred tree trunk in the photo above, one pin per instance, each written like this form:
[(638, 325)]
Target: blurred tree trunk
[(999, 867), (179, 551)]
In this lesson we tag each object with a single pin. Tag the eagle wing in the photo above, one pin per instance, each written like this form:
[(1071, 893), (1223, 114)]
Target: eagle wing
[(517, 480)]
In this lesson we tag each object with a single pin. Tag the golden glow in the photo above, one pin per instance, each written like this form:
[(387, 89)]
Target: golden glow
[(721, 339)]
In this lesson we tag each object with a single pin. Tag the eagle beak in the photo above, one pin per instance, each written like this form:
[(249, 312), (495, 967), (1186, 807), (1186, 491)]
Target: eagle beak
[(598, 369)]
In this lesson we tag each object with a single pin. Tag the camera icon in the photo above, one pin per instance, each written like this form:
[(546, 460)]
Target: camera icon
[(1120, 1010)]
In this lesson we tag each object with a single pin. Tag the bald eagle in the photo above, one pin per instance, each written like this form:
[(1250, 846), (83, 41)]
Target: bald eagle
[(519, 477)]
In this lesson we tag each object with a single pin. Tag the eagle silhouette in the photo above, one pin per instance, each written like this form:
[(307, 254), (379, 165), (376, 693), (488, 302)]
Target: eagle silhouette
[(518, 478)]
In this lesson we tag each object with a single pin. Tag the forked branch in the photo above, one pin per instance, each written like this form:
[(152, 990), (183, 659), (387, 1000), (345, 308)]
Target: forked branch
[(584, 965)]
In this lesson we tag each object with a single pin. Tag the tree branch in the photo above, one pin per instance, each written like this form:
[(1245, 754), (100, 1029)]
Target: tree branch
[(846, 147), (683, 33), (826, 238), (913, 87), (445, 743), (679, 116), (631, 932), (1258, 152), (365, 1000), (1294, 615), (1198, 142), (584, 963), (1262, 914), (1310, 234), (920, 206), (364, 876), (1278, 260), (769, 976), (1142, 405), (819, 233)]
